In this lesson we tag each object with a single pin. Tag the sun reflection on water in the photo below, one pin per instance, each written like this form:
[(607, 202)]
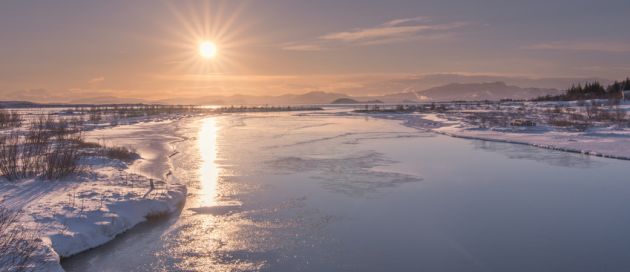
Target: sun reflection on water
[(209, 171)]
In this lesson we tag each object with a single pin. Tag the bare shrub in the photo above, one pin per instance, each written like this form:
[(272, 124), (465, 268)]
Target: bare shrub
[(38, 153), (592, 110), (10, 156), (54, 126), (18, 246), (95, 116), (62, 159), (35, 145), (121, 153), (83, 144), (22, 157), (572, 124), (620, 115), (10, 119)]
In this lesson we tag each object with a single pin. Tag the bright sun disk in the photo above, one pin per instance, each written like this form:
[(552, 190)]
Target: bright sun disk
[(207, 50)]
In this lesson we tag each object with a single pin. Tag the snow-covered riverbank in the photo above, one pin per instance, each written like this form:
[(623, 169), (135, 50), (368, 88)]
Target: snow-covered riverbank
[(91, 208), (602, 142)]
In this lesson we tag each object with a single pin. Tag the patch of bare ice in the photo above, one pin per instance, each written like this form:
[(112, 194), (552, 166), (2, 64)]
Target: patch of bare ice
[(352, 175)]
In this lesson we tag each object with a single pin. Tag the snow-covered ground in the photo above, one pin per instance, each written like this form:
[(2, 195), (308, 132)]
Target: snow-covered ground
[(109, 197), (602, 140)]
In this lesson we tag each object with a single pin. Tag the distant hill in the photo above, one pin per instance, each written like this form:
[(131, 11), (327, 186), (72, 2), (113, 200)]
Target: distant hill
[(464, 91), (344, 101), (306, 98), (418, 83), (17, 104), (312, 98), (108, 100), (448, 92), (482, 91), (27, 104), (352, 101)]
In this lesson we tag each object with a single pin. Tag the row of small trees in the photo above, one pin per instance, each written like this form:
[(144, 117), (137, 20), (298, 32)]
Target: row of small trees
[(590, 90), (233, 109)]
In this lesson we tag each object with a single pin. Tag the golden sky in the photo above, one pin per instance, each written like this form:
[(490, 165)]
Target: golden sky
[(67, 49)]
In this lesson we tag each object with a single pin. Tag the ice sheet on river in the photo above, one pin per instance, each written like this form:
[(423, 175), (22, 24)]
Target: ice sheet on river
[(352, 175)]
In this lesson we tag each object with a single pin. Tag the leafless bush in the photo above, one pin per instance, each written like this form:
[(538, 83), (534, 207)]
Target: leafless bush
[(490, 119), (83, 144), (38, 153), (18, 246), (55, 126), (592, 110), (572, 124), (10, 164), (121, 153), (10, 119), (620, 115), (95, 116), (22, 157), (63, 158)]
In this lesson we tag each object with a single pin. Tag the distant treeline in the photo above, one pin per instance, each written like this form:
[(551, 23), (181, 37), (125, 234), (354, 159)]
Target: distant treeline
[(590, 90), (233, 109)]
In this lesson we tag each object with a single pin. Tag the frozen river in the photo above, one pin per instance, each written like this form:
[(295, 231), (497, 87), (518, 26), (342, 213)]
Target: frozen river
[(324, 192)]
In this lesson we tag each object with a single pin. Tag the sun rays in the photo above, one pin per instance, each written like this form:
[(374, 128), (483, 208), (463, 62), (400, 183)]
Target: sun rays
[(205, 39), (208, 50)]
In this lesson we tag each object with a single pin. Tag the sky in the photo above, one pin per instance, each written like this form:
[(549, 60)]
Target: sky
[(67, 49)]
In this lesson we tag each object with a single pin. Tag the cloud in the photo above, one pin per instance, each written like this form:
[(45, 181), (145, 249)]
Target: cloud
[(406, 20), (393, 31), (614, 47), (388, 32), (303, 47), (96, 80)]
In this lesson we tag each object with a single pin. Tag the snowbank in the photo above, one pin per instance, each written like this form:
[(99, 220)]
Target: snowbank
[(602, 142), (110, 197), (601, 146), (73, 216)]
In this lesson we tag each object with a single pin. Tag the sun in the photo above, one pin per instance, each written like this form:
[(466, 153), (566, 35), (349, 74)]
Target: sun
[(207, 50), (206, 42)]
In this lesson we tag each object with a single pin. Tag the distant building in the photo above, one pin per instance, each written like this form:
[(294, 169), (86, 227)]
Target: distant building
[(522, 123), (625, 95)]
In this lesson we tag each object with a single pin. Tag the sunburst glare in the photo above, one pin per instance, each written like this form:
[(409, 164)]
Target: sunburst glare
[(208, 50), (205, 39)]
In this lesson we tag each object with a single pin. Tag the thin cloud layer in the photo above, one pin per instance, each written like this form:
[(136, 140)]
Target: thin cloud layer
[(96, 80), (398, 30), (302, 47), (614, 47), (388, 32)]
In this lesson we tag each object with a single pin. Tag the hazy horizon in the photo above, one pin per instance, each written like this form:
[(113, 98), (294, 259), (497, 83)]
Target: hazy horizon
[(64, 51)]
